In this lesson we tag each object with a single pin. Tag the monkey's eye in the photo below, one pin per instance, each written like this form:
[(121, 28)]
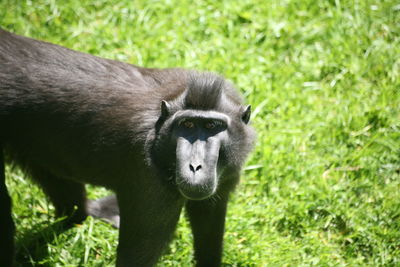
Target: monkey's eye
[(210, 125), (214, 124), (188, 124)]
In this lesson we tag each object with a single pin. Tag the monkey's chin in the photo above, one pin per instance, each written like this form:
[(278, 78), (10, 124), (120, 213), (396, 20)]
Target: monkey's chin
[(196, 194)]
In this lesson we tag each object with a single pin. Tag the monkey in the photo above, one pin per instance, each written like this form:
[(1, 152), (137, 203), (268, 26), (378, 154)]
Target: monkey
[(163, 140)]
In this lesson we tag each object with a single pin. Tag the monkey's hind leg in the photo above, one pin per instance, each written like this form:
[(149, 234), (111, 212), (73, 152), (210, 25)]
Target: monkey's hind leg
[(7, 227), (68, 197), (106, 209)]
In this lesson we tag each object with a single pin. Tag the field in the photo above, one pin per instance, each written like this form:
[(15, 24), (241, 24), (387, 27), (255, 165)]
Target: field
[(322, 187)]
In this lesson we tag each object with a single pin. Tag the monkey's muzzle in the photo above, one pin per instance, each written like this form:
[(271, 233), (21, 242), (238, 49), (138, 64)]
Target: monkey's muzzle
[(196, 167)]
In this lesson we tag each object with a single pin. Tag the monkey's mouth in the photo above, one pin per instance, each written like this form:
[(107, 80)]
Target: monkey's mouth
[(197, 188), (196, 183)]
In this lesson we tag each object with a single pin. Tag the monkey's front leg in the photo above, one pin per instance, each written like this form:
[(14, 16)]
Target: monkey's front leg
[(207, 218), (148, 220)]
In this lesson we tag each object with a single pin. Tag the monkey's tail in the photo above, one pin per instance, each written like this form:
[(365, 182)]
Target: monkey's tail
[(7, 227)]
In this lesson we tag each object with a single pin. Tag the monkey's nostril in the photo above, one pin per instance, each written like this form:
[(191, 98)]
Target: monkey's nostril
[(193, 169)]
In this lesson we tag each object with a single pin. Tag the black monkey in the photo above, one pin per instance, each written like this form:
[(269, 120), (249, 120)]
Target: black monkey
[(161, 139)]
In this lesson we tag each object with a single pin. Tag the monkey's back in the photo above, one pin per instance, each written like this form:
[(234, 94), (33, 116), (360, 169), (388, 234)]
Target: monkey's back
[(62, 108)]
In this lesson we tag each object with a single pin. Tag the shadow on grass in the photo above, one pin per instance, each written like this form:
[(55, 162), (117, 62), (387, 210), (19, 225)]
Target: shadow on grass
[(32, 248)]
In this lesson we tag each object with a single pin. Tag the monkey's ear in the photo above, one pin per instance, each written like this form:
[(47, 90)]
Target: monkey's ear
[(246, 114), (165, 108)]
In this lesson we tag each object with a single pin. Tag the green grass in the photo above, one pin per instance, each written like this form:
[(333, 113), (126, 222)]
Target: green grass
[(322, 187)]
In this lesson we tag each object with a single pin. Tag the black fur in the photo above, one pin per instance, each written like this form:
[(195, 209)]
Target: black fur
[(70, 118), (6, 222)]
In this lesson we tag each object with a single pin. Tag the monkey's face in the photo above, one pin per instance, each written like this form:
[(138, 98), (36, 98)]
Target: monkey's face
[(199, 136), (196, 147)]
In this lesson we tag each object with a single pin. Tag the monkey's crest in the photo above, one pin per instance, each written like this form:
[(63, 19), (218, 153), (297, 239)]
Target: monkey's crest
[(204, 91)]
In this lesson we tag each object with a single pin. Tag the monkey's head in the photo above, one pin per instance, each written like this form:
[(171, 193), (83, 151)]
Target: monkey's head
[(201, 135)]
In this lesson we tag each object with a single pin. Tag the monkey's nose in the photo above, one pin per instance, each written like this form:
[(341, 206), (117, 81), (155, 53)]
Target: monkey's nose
[(194, 168)]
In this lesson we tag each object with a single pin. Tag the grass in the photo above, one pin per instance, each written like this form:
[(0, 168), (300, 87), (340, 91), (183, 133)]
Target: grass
[(322, 187)]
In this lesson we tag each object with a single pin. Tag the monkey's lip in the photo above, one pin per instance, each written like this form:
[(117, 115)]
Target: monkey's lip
[(195, 192), (191, 196)]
